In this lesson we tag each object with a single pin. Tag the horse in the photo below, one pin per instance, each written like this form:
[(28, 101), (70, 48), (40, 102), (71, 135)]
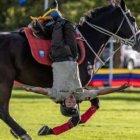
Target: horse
[(17, 62)]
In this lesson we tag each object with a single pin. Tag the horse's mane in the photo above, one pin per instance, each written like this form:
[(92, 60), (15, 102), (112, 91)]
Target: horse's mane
[(97, 11)]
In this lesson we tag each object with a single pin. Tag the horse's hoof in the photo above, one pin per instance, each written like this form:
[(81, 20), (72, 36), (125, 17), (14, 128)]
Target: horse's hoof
[(14, 134), (25, 137)]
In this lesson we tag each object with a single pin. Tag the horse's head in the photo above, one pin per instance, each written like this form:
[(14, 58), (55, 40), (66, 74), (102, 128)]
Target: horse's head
[(112, 20), (127, 28), (98, 25)]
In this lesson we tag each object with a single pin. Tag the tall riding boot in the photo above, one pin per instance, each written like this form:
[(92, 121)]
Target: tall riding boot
[(59, 51), (70, 39)]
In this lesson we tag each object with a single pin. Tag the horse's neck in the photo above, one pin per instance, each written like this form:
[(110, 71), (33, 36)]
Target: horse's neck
[(95, 38), (95, 41)]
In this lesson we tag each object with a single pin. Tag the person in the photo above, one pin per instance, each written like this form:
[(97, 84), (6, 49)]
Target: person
[(72, 101), (67, 88), (63, 53)]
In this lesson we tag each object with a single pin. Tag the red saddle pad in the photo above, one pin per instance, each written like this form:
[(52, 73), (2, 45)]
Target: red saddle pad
[(40, 48)]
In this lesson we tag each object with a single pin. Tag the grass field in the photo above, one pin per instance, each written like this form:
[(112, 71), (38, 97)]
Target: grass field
[(117, 119)]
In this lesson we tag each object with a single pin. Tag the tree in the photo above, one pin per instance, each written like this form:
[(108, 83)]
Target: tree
[(13, 16)]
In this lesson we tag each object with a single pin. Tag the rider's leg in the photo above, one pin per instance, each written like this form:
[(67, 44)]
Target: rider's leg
[(70, 38), (65, 72), (59, 51)]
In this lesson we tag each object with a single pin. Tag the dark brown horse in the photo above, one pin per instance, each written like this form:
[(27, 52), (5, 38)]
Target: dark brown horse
[(17, 63)]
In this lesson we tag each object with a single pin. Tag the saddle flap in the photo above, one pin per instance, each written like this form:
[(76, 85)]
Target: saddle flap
[(39, 47)]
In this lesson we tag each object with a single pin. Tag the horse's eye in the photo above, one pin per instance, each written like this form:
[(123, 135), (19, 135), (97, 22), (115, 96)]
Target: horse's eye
[(82, 20)]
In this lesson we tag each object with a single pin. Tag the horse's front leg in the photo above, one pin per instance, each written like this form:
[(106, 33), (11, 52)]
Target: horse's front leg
[(16, 129)]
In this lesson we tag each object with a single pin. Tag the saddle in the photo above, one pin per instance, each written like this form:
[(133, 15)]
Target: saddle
[(40, 48)]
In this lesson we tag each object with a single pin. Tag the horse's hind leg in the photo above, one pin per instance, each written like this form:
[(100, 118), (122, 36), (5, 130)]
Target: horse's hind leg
[(5, 94)]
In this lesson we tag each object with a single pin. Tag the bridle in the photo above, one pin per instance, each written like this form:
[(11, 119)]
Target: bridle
[(131, 41)]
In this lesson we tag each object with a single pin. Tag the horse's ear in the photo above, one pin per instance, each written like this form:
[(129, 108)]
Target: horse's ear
[(122, 4), (53, 4), (119, 3), (115, 2)]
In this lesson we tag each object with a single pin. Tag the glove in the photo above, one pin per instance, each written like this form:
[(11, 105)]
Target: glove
[(45, 130), (95, 102)]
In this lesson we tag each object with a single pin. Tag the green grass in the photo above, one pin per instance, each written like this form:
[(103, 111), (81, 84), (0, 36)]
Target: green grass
[(117, 119)]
